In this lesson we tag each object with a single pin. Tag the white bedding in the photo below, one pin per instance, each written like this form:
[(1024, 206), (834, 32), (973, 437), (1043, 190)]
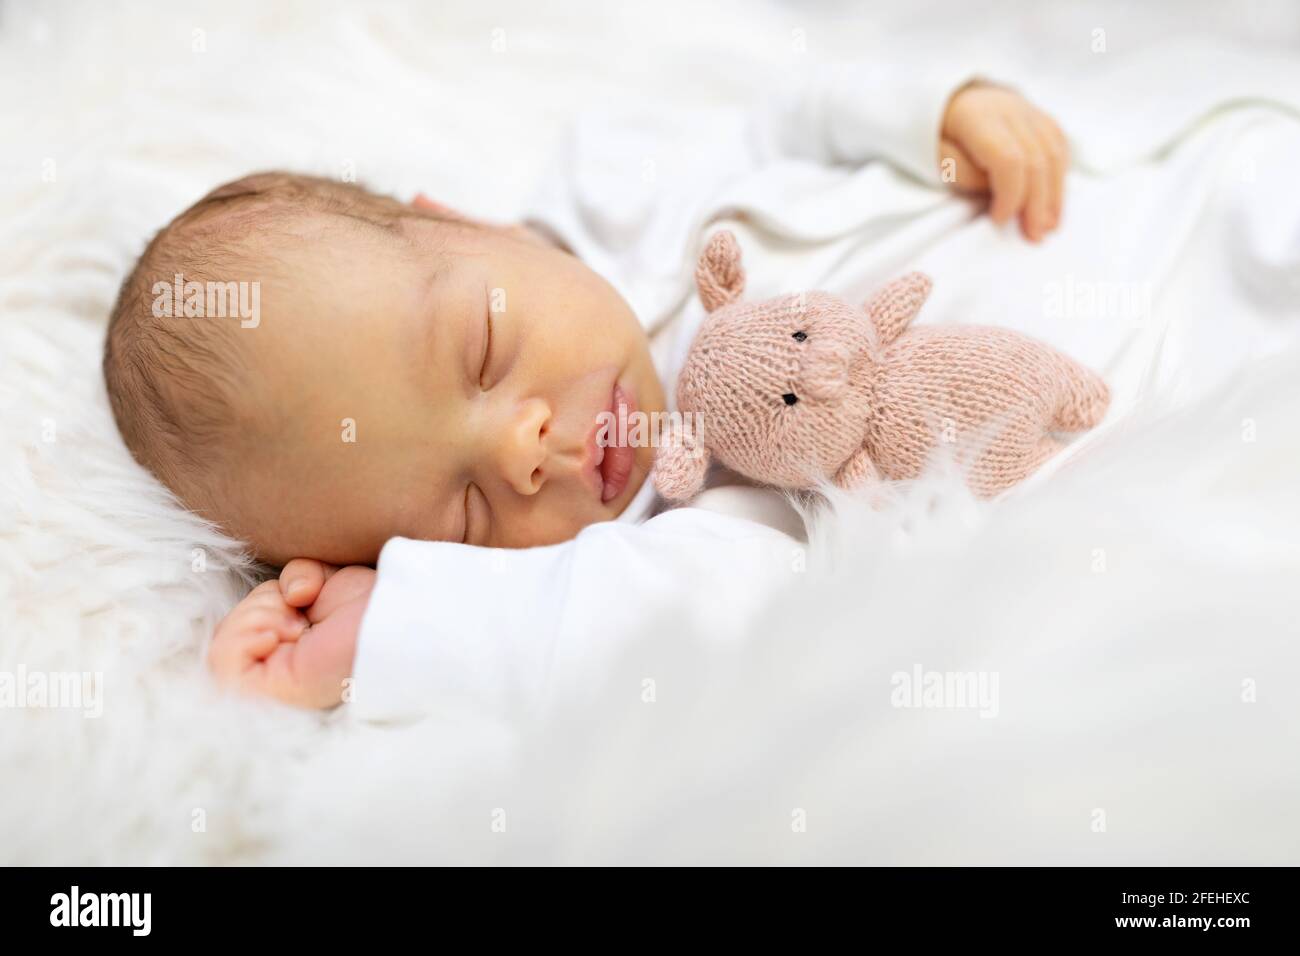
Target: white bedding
[(1128, 602)]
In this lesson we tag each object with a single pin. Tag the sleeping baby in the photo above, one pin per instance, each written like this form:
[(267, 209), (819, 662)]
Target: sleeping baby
[(428, 393)]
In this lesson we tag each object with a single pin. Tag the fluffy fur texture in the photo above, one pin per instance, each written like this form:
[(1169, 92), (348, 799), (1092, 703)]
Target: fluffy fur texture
[(794, 390), (1121, 688)]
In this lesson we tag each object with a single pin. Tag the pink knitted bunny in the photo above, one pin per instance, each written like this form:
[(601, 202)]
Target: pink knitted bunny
[(806, 387)]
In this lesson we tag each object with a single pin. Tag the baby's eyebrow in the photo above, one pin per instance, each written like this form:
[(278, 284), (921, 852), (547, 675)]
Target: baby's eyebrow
[(424, 328)]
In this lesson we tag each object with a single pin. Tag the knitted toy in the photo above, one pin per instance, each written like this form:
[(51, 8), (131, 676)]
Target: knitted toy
[(807, 387)]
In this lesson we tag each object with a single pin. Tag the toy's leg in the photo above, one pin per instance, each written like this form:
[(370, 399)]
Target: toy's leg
[(1084, 399), (1047, 447), (992, 476), (858, 472)]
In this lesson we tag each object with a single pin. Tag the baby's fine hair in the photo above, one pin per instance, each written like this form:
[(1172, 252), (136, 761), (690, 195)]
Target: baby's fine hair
[(174, 382)]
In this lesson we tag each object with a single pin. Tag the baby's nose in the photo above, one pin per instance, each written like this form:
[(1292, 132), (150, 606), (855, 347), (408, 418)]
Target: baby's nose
[(519, 447), (824, 370)]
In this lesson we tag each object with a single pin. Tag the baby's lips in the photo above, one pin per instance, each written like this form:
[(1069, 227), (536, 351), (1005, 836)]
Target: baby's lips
[(616, 465), (616, 470)]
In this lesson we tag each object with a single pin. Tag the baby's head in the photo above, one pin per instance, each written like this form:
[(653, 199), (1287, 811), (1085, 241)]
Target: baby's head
[(346, 368)]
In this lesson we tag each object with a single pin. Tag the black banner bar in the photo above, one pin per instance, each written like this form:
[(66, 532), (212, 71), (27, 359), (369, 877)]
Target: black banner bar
[(333, 906)]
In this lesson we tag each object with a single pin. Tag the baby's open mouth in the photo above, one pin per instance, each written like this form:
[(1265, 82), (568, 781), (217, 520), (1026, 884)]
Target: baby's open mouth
[(613, 456)]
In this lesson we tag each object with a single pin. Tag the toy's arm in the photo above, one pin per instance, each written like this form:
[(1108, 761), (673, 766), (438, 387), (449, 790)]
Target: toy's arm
[(858, 472), (894, 306), (682, 463)]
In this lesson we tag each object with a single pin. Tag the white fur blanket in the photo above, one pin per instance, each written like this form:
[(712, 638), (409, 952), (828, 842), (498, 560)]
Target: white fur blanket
[(1137, 607)]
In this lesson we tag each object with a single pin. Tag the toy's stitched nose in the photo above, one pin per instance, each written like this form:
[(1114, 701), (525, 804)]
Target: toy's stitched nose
[(824, 371)]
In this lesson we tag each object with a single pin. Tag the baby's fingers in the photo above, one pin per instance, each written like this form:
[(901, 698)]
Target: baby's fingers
[(234, 651), (959, 170), (1042, 180), (301, 580), (1036, 217), (252, 635), (1000, 156), (1057, 150)]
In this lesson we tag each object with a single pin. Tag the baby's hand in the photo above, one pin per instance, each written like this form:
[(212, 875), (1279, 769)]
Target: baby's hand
[(998, 142), (294, 639)]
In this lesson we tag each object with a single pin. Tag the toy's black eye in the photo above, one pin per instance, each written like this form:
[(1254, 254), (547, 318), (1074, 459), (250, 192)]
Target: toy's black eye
[(790, 398), (799, 337)]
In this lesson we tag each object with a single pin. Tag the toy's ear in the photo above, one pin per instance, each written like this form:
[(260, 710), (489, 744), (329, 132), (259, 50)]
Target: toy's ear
[(719, 274), (681, 467), (894, 306)]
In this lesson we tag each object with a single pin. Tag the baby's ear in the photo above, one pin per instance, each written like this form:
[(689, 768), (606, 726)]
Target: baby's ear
[(680, 467), (719, 274), (441, 210)]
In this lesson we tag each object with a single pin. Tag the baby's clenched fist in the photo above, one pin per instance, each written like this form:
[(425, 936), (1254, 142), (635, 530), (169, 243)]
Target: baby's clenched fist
[(294, 639)]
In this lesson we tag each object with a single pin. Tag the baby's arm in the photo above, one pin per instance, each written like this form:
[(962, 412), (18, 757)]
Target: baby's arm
[(295, 638), (483, 632), (522, 622)]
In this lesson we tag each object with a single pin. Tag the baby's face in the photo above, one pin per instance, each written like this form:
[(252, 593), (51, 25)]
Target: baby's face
[(448, 388)]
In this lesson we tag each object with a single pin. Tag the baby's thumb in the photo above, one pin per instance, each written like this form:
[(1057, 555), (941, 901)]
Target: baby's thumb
[(301, 580)]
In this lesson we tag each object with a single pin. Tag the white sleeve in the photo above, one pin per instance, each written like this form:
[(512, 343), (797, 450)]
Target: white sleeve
[(630, 193), (494, 632), (857, 112)]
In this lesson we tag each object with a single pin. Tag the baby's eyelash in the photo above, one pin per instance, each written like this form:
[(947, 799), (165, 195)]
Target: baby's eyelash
[(464, 538), (487, 347)]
